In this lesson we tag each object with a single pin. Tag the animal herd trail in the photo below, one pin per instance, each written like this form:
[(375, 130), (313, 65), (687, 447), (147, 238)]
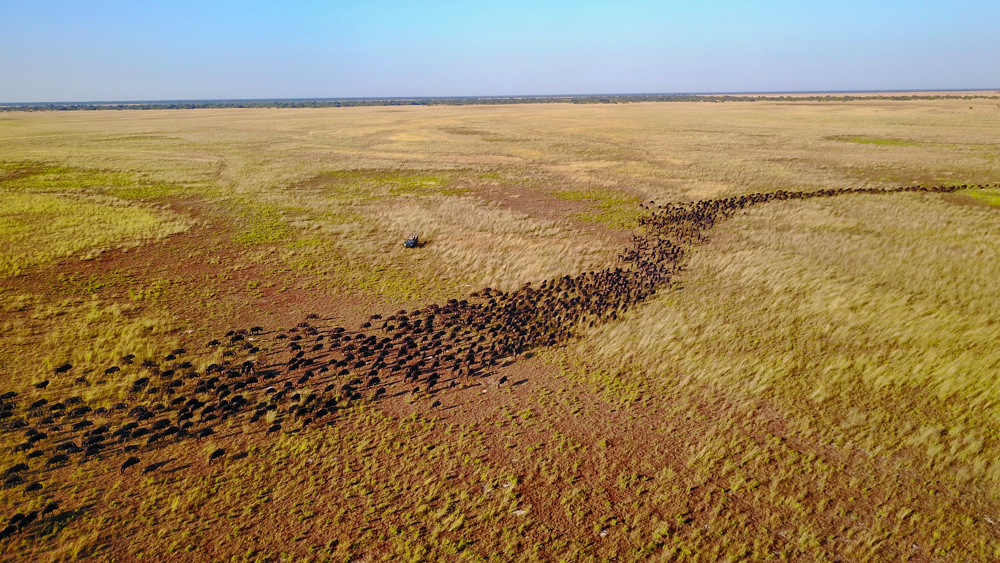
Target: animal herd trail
[(301, 378)]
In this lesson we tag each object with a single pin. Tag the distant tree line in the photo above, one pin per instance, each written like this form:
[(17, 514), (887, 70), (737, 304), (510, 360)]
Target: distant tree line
[(466, 101)]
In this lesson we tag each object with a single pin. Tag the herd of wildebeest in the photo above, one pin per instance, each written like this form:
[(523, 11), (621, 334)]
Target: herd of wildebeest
[(292, 380)]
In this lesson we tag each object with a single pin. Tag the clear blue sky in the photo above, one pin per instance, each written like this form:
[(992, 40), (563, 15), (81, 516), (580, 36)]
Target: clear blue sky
[(154, 50)]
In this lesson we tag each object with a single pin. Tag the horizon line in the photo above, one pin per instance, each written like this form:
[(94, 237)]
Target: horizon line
[(497, 97)]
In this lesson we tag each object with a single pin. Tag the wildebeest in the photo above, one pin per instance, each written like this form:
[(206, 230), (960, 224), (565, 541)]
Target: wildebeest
[(13, 470), (64, 368), (57, 459), (129, 463), (216, 455)]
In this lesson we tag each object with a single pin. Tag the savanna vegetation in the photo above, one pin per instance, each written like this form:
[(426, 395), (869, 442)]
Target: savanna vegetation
[(803, 378)]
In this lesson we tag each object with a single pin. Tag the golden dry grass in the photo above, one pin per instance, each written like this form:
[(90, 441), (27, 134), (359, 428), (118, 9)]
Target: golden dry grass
[(820, 384)]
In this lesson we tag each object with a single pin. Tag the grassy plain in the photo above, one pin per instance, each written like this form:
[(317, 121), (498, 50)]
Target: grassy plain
[(820, 385)]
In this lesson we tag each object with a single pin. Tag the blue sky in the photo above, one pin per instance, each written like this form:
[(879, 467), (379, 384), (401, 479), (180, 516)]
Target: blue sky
[(139, 50)]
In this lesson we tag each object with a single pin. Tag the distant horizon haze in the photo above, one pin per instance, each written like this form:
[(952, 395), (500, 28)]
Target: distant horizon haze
[(833, 93), (68, 52)]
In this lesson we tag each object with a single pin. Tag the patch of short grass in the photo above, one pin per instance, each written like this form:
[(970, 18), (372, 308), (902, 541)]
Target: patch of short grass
[(881, 141), (266, 223), (987, 196), (39, 228), (368, 185), (615, 210)]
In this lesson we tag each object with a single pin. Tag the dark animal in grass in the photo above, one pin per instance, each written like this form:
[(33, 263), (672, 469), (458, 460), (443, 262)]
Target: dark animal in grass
[(28, 519), (57, 459), (81, 425), (435, 404), (216, 455), (37, 404), (112, 370), (37, 437), (130, 449), (12, 481), (14, 470), (50, 508), (7, 532), (36, 486), (129, 463), (42, 385), (66, 446), (274, 428), (152, 467), (204, 433), (63, 368), (34, 454)]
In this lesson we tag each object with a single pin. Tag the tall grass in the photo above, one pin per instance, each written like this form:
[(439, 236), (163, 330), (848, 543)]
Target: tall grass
[(866, 320)]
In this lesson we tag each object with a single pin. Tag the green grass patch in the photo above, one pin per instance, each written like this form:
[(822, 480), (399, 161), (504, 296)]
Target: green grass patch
[(879, 141), (140, 192), (612, 209), (367, 185), (38, 228), (76, 283), (345, 271), (61, 179), (42, 177), (266, 224), (988, 196)]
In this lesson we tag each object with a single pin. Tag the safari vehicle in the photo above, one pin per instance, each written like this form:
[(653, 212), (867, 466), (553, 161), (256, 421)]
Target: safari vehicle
[(411, 241)]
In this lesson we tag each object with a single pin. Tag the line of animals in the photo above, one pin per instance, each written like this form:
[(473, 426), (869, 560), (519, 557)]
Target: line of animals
[(299, 378)]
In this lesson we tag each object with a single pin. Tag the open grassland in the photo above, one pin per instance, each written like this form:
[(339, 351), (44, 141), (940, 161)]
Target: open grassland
[(818, 381)]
